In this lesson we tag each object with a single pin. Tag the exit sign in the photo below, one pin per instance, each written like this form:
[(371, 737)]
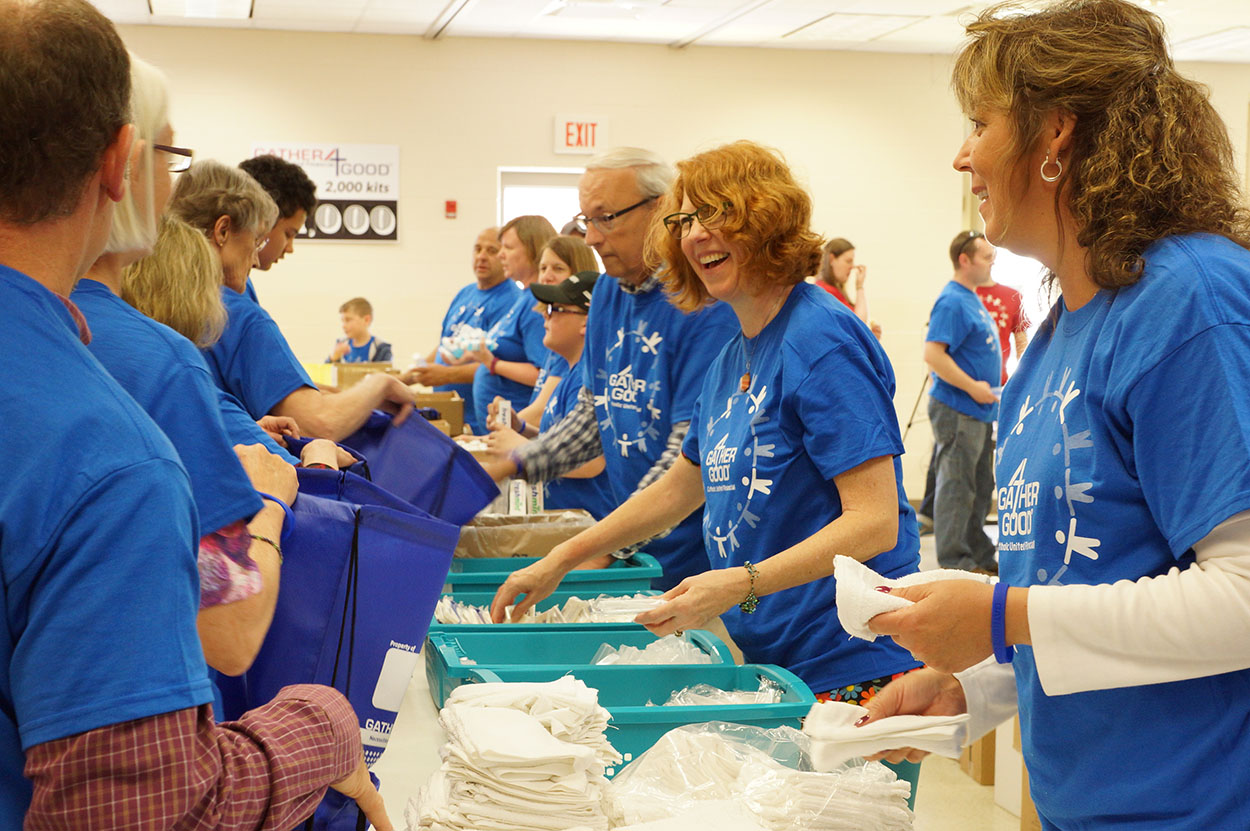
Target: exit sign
[(580, 134)]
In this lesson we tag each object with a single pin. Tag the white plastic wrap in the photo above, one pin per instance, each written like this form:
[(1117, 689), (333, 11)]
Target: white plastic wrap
[(670, 649), (466, 339), (766, 771), (769, 692), (602, 609)]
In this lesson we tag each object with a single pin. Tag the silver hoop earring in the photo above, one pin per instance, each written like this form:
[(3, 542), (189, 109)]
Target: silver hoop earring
[(1059, 172)]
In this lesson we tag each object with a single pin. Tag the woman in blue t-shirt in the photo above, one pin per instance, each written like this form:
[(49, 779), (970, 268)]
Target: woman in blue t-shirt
[(793, 449), (1119, 629), (513, 354)]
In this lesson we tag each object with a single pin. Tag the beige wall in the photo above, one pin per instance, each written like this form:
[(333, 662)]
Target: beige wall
[(872, 135)]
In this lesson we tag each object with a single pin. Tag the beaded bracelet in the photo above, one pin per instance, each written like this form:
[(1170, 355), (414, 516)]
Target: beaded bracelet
[(276, 547), (998, 625), (749, 604), (288, 524)]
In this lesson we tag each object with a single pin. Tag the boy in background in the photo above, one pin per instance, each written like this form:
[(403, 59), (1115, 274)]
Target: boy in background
[(359, 345)]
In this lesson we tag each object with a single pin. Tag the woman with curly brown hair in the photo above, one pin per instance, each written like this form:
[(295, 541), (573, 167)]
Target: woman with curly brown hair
[(793, 451), (1124, 444)]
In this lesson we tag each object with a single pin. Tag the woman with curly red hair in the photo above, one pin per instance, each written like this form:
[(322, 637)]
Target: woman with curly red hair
[(793, 450)]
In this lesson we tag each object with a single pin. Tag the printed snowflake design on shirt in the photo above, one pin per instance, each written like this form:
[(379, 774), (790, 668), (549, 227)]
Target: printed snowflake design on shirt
[(624, 390), (726, 537), (1054, 403)]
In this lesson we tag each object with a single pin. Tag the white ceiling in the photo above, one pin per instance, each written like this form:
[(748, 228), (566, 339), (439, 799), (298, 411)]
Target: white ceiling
[(1207, 30)]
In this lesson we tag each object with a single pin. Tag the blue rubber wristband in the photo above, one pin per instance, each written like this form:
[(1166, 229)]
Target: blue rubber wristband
[(998, 625), (288, 525)]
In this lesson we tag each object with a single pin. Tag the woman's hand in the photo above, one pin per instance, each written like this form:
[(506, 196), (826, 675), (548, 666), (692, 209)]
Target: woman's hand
[(358, 787), (278, 427), (536, 582), (696, 600), (861, 273), (925, 692), (503, 442), (948, 627), (482, 355), (492, 417), (267, 472)]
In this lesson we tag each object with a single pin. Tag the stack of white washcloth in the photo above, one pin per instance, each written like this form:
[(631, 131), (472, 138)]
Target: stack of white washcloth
[(519, 757), (859, 601), (723, 763), (605, 609), (836, 740)]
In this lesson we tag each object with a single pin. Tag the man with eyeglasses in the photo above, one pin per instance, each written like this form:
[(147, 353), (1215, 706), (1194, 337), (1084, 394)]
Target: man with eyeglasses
[(643, 362), (961, 351)]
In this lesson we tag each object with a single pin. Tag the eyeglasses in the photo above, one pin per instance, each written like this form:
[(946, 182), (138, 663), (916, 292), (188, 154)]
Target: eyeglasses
[(605, 222), (709, 216), (552, 309), (180, 157), (261, 243)]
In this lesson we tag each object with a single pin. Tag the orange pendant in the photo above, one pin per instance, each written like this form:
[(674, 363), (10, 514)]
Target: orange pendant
[(745, 383)]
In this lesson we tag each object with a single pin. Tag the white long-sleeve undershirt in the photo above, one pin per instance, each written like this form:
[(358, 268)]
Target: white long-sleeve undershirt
[(1184, 624)]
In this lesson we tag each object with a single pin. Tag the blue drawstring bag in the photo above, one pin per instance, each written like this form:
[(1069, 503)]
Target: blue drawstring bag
[(361, 575), (418, 463)]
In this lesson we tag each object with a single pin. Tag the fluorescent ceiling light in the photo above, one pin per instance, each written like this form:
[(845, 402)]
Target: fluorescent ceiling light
[(1236, 39), (852, 28), (221, 9)]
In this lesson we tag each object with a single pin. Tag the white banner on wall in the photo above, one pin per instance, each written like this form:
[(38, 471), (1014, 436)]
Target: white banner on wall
[(357, 188)]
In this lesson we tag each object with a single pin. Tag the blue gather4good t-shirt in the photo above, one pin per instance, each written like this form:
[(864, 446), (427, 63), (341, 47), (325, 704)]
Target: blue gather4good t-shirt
[(594, 494), (166, 374), (820, 403), (644, 361), (241, 428), (1124, 439), (252, 361), (475, 308), (519, 335), (97, 546), (556, 367), (961, 321)]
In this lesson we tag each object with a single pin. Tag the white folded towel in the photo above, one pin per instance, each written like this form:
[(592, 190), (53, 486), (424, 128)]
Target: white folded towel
[(859, 601), (836, 739)]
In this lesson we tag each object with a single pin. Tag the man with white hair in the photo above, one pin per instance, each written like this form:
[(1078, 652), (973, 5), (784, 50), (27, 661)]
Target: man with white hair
[(644, 360)]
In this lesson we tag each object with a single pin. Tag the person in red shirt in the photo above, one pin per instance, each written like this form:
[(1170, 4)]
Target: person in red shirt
[(1003, 304), (837, 264)]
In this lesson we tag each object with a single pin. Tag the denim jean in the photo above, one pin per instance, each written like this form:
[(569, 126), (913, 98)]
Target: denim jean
[(964, 461)]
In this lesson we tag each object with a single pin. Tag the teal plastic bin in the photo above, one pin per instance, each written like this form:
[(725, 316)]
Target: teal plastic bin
[(625, 576), (625, 690), (559, 646)]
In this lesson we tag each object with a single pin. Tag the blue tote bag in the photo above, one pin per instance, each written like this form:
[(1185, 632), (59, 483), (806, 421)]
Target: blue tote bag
[(362, 573), (420, 464)]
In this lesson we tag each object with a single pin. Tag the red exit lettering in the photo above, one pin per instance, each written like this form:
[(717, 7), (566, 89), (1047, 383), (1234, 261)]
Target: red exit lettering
[(580, 133)]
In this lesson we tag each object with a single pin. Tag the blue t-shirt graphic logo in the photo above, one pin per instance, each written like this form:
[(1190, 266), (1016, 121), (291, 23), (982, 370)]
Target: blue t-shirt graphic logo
[(630, 399)]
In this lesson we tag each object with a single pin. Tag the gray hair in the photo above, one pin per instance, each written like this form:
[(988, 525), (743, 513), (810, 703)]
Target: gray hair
[(134, 217), (655, 176), (209, 190)]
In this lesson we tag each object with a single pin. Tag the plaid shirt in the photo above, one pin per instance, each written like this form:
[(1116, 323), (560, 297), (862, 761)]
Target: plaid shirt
[(180, 771), (574, 440)]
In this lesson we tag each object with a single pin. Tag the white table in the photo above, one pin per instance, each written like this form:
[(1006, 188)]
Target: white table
[(411, 753)]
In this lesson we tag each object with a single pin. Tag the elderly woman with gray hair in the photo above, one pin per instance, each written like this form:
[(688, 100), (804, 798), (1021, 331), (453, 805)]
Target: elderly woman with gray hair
[(252, 360)]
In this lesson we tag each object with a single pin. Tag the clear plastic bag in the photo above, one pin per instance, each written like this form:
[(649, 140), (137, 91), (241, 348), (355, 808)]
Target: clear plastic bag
[(602, 609), (766, 771), (670, 649), (769, 692)]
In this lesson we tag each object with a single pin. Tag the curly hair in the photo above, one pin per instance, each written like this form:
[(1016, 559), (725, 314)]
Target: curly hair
[(768, 217), (1150, 157), (179, 284), (285, 181)]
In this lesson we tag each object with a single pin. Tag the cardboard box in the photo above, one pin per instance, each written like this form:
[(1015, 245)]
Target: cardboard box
[(450, 408), (442, 425), (502, 535), (347, 376), (977, 760)]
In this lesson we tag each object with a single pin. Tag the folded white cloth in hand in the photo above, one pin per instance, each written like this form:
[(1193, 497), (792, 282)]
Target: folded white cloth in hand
[(858, 600), (836, 739)]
